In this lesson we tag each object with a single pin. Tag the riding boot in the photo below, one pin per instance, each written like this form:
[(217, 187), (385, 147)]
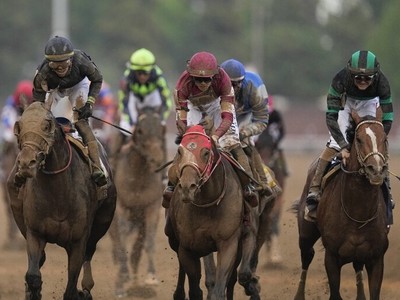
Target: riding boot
[(268, 185), (250, 194), (97, 175), (313, 193)]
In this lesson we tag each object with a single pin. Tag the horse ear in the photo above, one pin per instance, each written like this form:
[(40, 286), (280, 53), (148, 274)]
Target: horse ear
[(24, 101), (355, 116), (49, 101), (379, 113)]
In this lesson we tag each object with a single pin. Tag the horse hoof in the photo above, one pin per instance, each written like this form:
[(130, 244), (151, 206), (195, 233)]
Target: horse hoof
[(151, 279)]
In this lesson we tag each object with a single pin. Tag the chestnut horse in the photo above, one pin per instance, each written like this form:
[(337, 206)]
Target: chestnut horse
[(205, 215), (351, 216), (57, 202), (139, 189)]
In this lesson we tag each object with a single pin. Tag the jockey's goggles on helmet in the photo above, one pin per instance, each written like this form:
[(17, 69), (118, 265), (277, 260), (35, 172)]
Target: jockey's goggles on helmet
[(236, 83), (57, 65), (141, 72), (203, 79), (365, 78)]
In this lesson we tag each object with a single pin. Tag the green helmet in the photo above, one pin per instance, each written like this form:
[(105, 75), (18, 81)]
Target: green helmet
[(142, 59), (363, 62)]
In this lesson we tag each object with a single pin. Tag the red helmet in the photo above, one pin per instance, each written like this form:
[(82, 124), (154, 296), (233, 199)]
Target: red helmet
[(202, 64), (24, 87)]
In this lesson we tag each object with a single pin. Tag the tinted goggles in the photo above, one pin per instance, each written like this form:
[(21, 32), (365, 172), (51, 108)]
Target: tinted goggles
[(60, 64), (203, 79), (236, 83), (365, 78)]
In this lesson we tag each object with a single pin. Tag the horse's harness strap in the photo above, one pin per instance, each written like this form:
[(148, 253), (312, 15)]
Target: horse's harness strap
[(218, 200), (32, 144)]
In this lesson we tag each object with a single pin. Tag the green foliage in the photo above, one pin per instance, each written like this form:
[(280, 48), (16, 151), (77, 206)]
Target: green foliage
[(295, 53)]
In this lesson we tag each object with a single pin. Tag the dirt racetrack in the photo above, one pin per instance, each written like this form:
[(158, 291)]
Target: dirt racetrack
[(277, 282)]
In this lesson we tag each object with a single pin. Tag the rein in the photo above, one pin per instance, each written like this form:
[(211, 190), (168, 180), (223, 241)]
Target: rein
[(68, 163), (219, 198)]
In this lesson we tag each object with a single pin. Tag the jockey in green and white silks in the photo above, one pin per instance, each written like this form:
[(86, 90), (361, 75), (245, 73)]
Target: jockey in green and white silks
[(143, 86)]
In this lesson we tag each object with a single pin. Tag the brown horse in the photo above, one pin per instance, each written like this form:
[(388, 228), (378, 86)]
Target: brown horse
[(205, 215), (58, 203), (139, 196), (273, 157), (351, 216)]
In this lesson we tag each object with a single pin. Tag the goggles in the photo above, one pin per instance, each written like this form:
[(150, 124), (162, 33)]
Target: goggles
[(203, 79), (236, 83), (57, 65), (142, 72), (365, 78)]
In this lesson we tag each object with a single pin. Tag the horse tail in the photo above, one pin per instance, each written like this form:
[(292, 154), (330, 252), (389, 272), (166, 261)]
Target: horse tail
[(294, 208)]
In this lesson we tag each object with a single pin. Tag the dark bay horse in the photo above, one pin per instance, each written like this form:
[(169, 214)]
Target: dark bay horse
[(139, 197), (273, 157), (57, 201), (351, 216), (205, 215)]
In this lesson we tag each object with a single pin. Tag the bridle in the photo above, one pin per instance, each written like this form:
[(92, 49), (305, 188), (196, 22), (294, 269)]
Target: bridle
[(206, 171), (361, 171), (362, 159)]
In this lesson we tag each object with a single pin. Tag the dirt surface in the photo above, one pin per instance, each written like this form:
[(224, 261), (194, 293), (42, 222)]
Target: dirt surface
[(277, 281)]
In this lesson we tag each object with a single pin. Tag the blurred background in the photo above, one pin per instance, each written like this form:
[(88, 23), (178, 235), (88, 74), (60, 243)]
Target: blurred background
[(295, 45)]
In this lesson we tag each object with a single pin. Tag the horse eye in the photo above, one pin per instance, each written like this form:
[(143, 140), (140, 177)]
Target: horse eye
[(205, 154), (46, 125)]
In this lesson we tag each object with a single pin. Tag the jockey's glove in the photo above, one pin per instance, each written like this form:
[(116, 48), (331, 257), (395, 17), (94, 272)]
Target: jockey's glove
[(86, 111)]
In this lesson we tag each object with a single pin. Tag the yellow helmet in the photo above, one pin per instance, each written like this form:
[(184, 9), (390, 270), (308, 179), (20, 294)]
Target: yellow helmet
[(142, 59)]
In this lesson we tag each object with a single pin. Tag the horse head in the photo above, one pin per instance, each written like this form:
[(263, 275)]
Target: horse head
[(148, 137), (195, 160), (35, 132), (370, 147)]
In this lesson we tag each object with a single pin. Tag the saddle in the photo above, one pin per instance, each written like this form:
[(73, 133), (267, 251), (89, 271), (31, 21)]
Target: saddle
[(330, 171)]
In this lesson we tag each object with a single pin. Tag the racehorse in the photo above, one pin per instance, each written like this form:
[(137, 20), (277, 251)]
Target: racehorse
[(272, 156), (351, 215), (139, 196), (205, 214), (56, 201)]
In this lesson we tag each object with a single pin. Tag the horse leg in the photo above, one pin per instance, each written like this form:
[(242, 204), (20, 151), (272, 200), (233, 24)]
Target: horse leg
[(192, 266), (179, 293), (16, 202), (227, 256), (358, 269), (137, 247), (210, 272), (33, 277), (249, 256), (151, 219), (375, 276), (119, 256), (308, 236), (75, 262), (333, 268)]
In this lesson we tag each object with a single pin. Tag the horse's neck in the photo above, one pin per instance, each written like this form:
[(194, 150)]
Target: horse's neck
[(59, 154)]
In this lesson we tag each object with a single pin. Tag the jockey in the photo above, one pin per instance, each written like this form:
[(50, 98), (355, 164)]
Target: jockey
[(204, 89), (72, 74), (143, 85), (11, 113), (360, 86), (251, 106)]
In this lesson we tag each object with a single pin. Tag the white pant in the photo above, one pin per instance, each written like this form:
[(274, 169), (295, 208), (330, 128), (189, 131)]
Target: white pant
[(65, 100), (231, 138), (362, 107), (135, 105)]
